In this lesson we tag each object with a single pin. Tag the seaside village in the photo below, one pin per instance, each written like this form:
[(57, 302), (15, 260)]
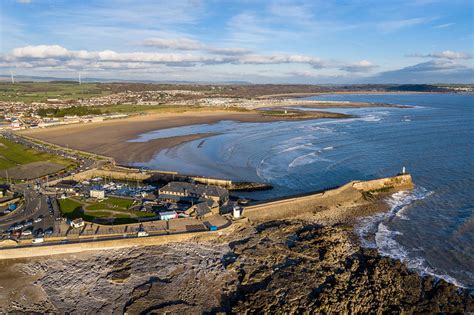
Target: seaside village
[(176, 199)]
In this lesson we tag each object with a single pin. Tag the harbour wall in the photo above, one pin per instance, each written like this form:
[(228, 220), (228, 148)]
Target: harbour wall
[(130, 174), (345, 195)]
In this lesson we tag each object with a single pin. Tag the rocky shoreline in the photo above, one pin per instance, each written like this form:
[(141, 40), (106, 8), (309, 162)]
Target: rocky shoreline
[(313, 264)]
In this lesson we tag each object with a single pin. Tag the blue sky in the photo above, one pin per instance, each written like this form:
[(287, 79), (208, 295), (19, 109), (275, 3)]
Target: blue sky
[(359, 41)]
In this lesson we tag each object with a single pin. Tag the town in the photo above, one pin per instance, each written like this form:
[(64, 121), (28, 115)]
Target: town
[(78, 204)]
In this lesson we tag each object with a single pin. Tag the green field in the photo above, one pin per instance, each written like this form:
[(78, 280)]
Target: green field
[(13, 154), (111, 208), (112, 203), (41, 91)]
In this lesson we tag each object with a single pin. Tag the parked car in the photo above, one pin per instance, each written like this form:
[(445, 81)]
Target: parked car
[(38, 219), (38, 240), (27, 232)]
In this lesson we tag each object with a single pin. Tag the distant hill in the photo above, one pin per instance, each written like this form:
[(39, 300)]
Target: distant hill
[(417, 88)]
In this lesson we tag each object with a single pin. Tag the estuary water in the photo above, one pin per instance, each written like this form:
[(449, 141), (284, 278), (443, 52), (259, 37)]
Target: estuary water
[(430, 228)]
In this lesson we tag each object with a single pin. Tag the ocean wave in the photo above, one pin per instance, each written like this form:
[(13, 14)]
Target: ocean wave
[(307, 159), (328, 148), (387, 245), (374, 232), (296, 147), (399, 202)]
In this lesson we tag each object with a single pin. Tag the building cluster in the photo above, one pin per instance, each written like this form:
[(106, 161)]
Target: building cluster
[(19, 122), (192, 199), (140, 98), (174, 200)]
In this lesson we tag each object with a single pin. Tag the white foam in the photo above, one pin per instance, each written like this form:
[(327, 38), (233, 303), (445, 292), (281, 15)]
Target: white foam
[(385, 240), (328, 148), (307, 159), (296, 147), (388, 246)]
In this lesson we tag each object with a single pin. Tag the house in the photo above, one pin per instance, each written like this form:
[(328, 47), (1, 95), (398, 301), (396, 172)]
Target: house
[(203, 209), (66, 186), (77, 223), (168, 215), (183, 191), (97, 193)]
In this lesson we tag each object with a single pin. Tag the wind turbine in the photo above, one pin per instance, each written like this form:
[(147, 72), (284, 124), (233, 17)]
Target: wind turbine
[(13, 78), (79, 74)]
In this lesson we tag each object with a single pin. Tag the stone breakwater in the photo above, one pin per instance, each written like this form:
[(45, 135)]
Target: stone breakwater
[(348, 195)]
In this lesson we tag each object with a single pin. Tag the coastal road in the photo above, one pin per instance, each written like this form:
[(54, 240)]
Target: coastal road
[(35, 205)]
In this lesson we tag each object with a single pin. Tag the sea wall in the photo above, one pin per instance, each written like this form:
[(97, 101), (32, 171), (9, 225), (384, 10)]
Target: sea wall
[(130, 174), (70, 248), (345, 195)]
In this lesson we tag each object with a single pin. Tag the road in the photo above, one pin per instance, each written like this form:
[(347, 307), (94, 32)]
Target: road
[(35, 205)]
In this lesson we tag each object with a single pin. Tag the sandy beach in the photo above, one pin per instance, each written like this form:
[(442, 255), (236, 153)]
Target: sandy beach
[(110, 138)]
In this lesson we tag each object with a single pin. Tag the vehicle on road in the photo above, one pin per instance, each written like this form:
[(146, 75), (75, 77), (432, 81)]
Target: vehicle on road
[(49, 231), (38, 219), (142, 234), (27, 232), (29, 222), (38, 240)]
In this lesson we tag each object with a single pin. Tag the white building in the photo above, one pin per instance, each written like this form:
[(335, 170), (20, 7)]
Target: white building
[(168, 215), (97, 193)]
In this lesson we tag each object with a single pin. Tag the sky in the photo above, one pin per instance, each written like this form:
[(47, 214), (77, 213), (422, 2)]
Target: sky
[(303, 42)]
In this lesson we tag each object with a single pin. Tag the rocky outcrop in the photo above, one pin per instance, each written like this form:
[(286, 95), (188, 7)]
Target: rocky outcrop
[(292, 267)]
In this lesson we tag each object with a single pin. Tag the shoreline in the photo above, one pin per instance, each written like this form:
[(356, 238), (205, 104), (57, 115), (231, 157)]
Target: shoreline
[(301, 95), (109, 138)]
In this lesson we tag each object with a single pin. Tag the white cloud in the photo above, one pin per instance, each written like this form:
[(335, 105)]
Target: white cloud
[(177, 43), (361, 66), (226, 55), (395, 25), (191, 44), (447, 54), (41, 51), (23, 1), (444, 25)]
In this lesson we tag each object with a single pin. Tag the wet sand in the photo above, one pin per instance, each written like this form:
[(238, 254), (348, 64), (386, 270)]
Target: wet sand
[(110, 138)]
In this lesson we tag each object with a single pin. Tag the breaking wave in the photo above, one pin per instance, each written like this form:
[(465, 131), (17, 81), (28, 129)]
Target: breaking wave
[(307, 159), (374, 232)]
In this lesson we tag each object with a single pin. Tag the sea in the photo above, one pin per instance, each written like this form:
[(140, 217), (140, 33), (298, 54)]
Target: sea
[(431, 228)]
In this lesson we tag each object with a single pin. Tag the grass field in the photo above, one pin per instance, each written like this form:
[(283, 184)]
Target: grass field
[(112, 203), (13, 154), (41, 91), (69, 207), (111, 208), (126, 108)]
